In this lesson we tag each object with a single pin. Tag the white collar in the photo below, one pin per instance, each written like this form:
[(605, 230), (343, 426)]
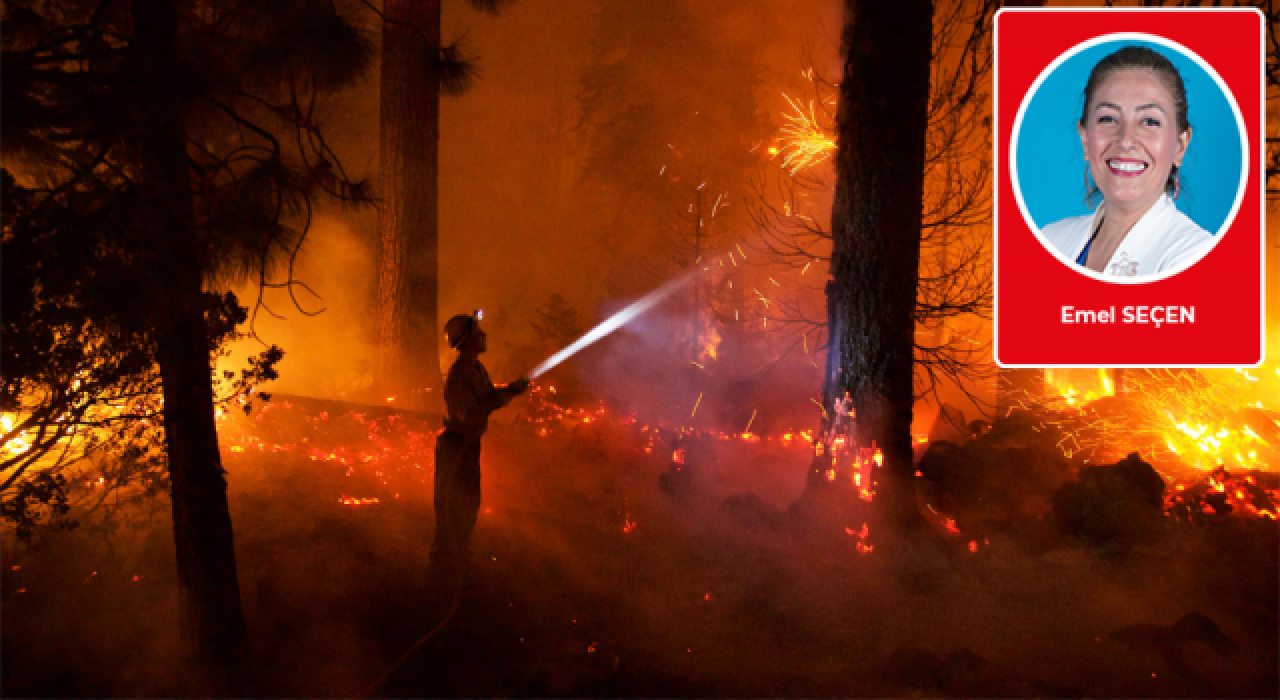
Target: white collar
[(1158, 208)]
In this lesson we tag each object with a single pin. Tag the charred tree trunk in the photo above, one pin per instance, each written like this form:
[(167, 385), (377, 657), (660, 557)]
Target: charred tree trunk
[(408, 279), (884, 93), (201, 518)]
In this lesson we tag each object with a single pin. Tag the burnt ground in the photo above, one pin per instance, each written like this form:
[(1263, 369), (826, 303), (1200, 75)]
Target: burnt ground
[(592, 581)]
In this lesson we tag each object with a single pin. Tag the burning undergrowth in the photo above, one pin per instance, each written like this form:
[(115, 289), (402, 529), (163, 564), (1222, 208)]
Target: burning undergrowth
[(619, 557)]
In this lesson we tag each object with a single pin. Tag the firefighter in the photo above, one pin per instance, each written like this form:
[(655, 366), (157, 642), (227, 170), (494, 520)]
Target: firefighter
[(470, 397)]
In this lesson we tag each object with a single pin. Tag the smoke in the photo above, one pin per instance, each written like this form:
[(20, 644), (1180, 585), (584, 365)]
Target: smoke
[(612, 323), (326, 329), (592, 577)]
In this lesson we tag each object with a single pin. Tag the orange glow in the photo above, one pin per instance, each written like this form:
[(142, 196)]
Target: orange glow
[(1176, 420), (804, 140)]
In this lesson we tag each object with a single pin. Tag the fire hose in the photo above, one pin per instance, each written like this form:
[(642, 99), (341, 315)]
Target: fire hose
[(453, 608), (614, 322), (603, 329)]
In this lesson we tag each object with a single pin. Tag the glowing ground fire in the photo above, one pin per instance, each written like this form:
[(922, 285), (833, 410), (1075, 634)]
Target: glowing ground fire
[(613, 323)]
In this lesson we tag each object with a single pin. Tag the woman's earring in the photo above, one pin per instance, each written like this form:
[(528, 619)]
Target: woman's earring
[(1177, 182), (1088, 181)]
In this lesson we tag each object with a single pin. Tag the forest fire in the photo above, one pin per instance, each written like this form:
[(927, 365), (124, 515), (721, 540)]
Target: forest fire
[(389, 452), (256, 440), (17, 444), (1181, 421), (1213, 435)]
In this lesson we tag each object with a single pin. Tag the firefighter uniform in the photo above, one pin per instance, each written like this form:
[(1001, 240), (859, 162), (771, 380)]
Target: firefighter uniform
[(470, 397)]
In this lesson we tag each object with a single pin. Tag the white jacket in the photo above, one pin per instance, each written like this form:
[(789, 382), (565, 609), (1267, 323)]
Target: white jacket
[(1163, 240)]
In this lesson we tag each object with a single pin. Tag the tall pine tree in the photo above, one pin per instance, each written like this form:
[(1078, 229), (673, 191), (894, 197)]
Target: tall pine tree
[(876, 227), (416, 70), (159, 145)]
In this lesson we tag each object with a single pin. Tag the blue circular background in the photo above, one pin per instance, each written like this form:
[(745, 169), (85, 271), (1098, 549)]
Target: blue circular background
[(1050, 160)]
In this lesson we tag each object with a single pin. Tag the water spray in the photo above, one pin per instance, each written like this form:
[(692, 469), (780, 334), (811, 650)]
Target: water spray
[(614, 322)]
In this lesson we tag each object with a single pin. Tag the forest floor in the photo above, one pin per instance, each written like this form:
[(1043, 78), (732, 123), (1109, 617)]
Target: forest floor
[(590, 580)]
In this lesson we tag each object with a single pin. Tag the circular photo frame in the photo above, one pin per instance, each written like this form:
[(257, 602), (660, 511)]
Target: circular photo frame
[(1047, 164)]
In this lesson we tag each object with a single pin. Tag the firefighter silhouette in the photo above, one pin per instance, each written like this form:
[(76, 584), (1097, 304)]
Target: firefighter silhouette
[(470, 396)]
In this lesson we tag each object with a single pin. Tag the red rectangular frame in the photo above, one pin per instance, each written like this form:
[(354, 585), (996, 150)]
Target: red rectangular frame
[(1032, 284)]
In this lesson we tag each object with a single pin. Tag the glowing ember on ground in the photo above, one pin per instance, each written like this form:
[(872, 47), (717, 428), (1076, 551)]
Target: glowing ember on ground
[(1181, 421)]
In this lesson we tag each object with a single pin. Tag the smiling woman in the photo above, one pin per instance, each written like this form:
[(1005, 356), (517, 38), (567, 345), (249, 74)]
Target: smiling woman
[(1135, 133), (1126, 149)]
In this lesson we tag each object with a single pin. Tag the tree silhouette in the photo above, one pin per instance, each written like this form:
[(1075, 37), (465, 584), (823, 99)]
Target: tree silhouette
[(159, 146), (416, 69), (877, 220), (953, 271), (557, 322)]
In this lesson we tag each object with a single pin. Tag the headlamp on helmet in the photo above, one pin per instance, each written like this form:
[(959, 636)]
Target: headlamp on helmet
[(460, 327)]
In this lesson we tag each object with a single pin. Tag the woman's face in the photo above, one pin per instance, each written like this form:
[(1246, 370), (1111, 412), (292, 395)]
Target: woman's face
[(1131, 140)]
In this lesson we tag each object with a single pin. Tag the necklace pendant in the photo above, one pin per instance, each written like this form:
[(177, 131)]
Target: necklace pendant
[(1124, 267)]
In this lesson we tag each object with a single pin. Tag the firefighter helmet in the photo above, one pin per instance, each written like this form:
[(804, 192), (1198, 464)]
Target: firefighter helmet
[(458, 328)]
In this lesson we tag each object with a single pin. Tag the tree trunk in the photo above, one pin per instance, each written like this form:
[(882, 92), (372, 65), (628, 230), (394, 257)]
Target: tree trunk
[(882, 121), (201, 518), (408, 279)]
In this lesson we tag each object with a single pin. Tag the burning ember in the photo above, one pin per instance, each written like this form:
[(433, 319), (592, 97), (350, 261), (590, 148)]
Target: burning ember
[(373, 449), (1212, 435), (1220, 493), (1184, 422), (20, 443), (805, 139)]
